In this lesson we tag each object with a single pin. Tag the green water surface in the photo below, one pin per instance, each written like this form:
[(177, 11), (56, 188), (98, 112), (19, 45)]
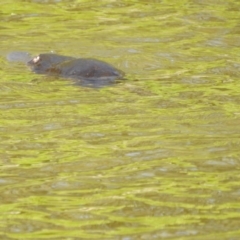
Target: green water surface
[(155, 156)]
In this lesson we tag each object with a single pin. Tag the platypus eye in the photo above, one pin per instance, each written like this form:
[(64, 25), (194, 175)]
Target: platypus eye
[(36, 59)]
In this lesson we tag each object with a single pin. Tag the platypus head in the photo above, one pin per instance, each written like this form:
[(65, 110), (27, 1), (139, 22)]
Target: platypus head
[(46, 63)]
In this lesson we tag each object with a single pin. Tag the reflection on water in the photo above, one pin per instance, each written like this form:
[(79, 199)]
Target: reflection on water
[(153, 157)]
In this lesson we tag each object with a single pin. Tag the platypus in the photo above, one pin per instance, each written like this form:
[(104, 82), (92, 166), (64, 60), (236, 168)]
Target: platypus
[(87, 70)]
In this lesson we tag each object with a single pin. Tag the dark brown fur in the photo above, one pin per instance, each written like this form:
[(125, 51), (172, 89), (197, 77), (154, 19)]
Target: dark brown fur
[(76, 68)]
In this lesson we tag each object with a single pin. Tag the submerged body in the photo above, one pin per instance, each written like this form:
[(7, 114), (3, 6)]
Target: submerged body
[(85, 71), (70, 67)]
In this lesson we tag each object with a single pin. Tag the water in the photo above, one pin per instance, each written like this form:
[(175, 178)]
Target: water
[(155, 156)]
